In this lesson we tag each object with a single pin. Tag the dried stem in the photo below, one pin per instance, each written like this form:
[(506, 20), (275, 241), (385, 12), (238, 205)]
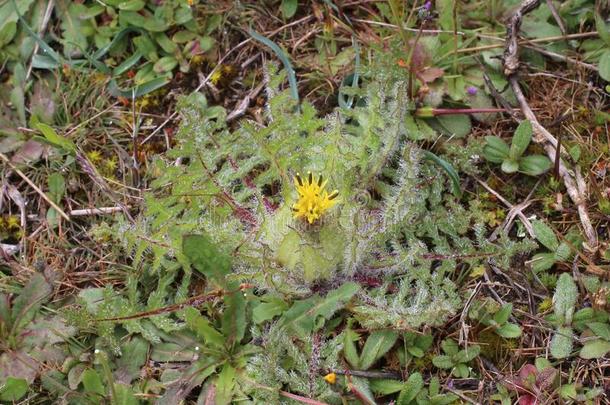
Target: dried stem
[(572, 180)]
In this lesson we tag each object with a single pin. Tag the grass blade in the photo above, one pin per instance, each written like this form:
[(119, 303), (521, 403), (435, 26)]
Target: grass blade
[(453, 175), (292, 80)]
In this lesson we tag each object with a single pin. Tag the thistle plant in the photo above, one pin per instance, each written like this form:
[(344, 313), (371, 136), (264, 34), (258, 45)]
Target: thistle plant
[(392, 217)]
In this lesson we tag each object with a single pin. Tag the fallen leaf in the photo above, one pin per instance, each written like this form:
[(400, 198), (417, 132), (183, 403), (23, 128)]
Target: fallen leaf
[(29, 152)]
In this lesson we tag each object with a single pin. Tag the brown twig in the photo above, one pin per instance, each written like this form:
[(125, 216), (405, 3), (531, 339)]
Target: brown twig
[(34, 186), (191, 302), (573, 182), (301, 399)]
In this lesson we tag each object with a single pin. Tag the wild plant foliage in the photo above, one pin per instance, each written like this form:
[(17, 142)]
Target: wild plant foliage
[(395, 215), (390, 245)]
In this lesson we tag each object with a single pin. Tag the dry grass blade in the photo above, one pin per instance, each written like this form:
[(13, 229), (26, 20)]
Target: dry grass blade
[(34, 186)]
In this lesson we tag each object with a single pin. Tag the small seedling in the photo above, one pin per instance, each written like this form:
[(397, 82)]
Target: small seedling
[(496, 319), (415, 345), (511, 158), (559, 252), (564, 301), (455, 359)]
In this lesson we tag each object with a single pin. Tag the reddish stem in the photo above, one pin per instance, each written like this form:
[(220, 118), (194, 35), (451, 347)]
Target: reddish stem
[(451, 111)]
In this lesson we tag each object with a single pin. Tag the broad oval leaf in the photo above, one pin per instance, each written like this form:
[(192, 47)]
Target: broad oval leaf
[(510, 166), (534, 165), (495, 150), (561, 344), (521, 139), (377, 344), (594, 349)]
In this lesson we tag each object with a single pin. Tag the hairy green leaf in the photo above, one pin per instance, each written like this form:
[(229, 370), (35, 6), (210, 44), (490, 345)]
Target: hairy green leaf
[(521, 139), (377, 344)]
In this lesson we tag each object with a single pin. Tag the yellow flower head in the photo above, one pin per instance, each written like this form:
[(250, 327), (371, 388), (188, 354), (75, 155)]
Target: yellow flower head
[(330, 378), (313, 199)]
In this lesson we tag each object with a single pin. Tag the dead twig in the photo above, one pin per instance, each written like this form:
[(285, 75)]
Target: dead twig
[(95, 211), (572, 180), (34, 186)]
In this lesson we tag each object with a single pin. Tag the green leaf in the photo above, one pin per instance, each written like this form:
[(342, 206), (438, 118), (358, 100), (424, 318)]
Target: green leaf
[(543, 261), (600, 329), (57, 186), (172, 352), (132, 5), (386, 387), (146, 47), (361, 386), (450, 346), (594, 349), (134, 356), (29, 301), (604, 65), (561, 344), (501, 317), (378, 343), (495, 150), (73, 27), (124, 395), (349, 348), (183, 15), (444, 399), (9, 16), (206, 43), (424, 341), (568, 391), (545, 235), (234, 316), (602, 29), (521, 140), (542, 363), (127, 63), (303, 314), (416, 351), (224, 385), (534, 165), (54, 139), (563, 252), (183, 36), (298, 318), (201, 326), (510, 166), (461, 371), (412, 387), (457, 125), (292, 79), (206, 257), (138, 90), (7, 32), (94, 10), (92, 382), (446, 166), (509, 331), (289, 8), (575, 152), (443, 361), (335, 300), (149, 23), (468, 354), (165, 64), (564, 299), (165, 43), (265, 311), (13, 389)]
